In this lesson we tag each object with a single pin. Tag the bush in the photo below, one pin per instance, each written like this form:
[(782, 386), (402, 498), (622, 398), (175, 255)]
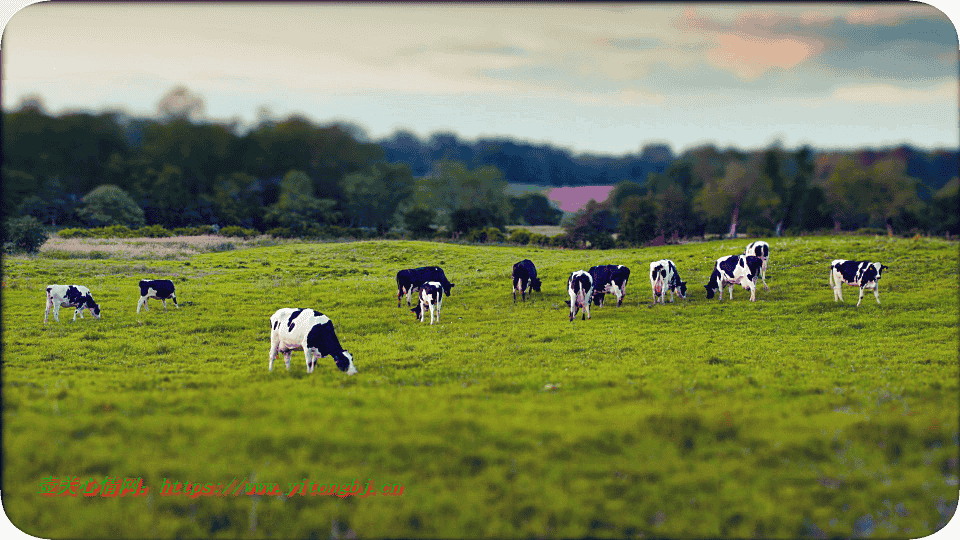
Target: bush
[(113, 231), (520, 236), (24, 234), (281, 232), (153, 231), (195, 231), (74, 233), (235, 231)]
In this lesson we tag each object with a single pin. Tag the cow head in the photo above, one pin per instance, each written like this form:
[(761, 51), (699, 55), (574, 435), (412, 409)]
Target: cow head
[(344, 362), (446, 287), (714, 284), (682, 289), (93, 307), (880, 272), (535, 284), (417, 311)]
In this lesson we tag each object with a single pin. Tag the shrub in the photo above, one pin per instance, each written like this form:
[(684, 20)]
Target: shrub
[(114, 231), (495, 235), (108, 205), (235, 231), (74, 233), (281, 232), (153, 231), (24, 234), (520, 236)]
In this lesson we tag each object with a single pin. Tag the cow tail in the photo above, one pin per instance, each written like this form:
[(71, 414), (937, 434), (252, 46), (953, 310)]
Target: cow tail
[(830, 278)]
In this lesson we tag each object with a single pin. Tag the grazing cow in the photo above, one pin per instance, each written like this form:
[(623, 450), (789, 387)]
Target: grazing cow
[(865, 275), (306, 329), (431, 297), (158, 289), (75, 296), (664, 277), (413, 278), (580, 288), (760, 249), (734, 269), (525, 278), (610, 278)]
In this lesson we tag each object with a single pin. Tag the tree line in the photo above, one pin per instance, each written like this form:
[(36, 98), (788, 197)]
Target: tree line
[(293, 177)]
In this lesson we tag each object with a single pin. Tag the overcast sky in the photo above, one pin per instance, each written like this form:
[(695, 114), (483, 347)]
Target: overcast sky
[(604, 78)]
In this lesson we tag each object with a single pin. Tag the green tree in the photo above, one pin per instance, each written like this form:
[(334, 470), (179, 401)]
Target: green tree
[(297, 208), (638, 220), (452, 186), (372, 196), (110, 205), (418, 221), (23, 234)]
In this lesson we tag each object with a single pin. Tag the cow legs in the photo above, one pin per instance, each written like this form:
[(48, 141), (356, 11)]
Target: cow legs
[(861, 297), (47, 312), (731, 292), (164, 300), (763, 275), (75, 312), (311, 358), (753, 292), (141, 303), (876, 292), (274, 345)]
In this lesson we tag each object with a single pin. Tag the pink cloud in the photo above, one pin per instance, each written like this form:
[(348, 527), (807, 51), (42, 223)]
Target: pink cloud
[(751, 56)]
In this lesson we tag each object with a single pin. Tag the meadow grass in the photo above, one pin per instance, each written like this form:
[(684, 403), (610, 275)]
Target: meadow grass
[(794, 416)]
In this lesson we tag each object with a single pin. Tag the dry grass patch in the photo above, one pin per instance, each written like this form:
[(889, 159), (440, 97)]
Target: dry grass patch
[(177, 247)]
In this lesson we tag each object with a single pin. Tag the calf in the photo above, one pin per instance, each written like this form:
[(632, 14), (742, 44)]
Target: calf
[(760, 249), (431, 296), (734, 269), (75, 296), (311, 331), (610, 278), (865, 275), (580, 288), (158, 289), (524, 279), (414, 278), (664, 277)]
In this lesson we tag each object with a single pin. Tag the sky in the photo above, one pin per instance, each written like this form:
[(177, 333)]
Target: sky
[(591, 78)]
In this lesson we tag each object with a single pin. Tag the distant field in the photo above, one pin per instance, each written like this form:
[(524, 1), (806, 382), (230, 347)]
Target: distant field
[(794, 416)]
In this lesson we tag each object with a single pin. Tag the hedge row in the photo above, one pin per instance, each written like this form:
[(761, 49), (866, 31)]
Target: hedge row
[(487, 235)]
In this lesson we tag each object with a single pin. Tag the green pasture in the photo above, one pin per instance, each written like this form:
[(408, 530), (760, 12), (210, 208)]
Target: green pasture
[(794, 416)]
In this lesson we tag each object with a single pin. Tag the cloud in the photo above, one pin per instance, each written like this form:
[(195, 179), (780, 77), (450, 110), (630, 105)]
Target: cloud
[(750, 56)]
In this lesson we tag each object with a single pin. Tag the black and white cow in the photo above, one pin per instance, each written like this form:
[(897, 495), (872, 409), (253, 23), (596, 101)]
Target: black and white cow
[(580, 289), (732, 270), (609, 278), (311, 331), (75, 296), (524, 279), (664, 277), (865, 275), (760, 249), (158, 289), (414, 278), (431, 298)]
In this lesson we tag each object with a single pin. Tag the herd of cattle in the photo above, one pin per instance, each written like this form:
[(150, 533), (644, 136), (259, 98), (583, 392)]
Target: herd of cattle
[(313, 332)]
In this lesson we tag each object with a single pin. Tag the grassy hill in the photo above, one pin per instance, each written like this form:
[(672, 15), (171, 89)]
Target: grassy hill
[(792, 416)]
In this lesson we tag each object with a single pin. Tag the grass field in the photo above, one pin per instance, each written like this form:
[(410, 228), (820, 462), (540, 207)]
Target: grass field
[(794, 416)]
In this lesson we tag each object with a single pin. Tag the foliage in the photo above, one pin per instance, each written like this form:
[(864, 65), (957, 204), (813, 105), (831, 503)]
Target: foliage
[(638, 220), (534, 209), (23, 234), (504, 420), (452, 186), (418, 221), (519, 236), (110, 205), (373, 195), (237, 232)]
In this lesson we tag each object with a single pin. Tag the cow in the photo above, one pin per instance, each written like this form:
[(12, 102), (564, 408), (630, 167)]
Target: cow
[(734, 269), (431, 297), (580, 288), (524, 279), (75, 296), (311, 331), (760, 249), (413, 278), (664, 277), (610, 278), (158, 289), (865, 275)]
